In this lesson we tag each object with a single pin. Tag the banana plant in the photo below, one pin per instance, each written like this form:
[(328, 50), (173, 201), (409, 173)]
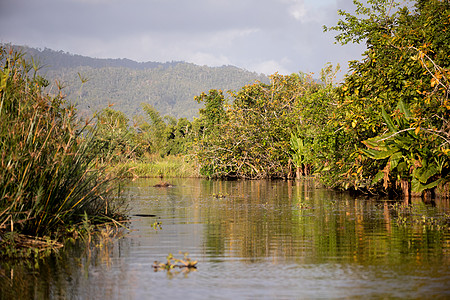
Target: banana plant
[(408, 154), (298, 152)]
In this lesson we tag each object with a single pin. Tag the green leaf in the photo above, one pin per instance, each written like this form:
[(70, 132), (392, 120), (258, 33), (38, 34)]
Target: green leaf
[(402, 167), (388, 120), (378, 177), (374, 143), (425, 173), (377, 154), (395, 159), (418, 187), (404, 109)]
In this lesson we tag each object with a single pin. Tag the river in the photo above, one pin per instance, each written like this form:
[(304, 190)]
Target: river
[(253, 240)]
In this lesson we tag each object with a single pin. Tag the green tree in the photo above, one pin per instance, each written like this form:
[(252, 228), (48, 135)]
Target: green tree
[(165, 135), (251, 136), (114, 137), (406, 64), (213, 114), (153, 129)]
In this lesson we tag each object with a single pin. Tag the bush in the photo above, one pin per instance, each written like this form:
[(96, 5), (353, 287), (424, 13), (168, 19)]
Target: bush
[(49, 175)]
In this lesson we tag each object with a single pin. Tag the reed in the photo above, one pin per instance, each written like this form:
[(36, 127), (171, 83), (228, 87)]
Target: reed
[(50, 177)]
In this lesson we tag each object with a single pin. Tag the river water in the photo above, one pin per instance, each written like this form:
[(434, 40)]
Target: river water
[(253, 240)]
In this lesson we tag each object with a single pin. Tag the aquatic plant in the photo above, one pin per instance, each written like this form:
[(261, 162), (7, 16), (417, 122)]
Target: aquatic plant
[(173, 263), (156, 225), (50, 178)]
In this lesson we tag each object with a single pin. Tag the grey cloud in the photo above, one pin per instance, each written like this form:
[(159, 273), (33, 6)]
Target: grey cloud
[(252, 34)]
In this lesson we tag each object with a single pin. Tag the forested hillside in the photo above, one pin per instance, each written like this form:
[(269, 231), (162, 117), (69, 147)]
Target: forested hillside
[(169, 87)]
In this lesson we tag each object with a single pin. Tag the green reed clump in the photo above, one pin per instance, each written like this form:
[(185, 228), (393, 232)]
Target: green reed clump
[(49, 175), (156, 166)]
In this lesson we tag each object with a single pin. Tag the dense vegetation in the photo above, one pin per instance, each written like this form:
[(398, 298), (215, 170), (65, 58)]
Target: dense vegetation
[(50, 177), (384, 129), (170, 87), (394, 105)]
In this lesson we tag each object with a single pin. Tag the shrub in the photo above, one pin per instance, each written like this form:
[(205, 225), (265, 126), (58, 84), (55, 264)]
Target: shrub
[(49, 174)]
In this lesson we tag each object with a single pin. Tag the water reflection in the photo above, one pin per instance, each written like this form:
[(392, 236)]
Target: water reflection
[(255, 239)]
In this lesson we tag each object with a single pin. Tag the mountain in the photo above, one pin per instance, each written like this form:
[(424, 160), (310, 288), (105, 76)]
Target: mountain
[(94, 83)]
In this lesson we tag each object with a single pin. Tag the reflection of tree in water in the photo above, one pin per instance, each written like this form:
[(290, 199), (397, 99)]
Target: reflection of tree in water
[(296, 220)]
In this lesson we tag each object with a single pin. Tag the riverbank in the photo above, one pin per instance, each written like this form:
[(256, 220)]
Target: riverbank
[(54, 183), (181, 166)]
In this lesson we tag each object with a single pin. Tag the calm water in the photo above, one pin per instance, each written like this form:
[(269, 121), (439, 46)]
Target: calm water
[(254, 240)]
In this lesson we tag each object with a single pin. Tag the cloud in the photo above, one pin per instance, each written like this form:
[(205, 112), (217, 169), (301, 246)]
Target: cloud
[(296, 8), (270, 67), (209, 59), (262, 36)]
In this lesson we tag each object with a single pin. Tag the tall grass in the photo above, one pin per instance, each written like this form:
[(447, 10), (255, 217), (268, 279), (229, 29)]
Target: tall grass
[(49, 175), (156, 166)]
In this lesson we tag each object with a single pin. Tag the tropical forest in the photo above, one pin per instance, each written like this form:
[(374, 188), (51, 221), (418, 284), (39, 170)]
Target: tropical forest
[(76, 131)]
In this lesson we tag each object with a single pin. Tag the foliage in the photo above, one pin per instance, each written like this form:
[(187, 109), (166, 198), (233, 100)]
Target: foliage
[(169, 87), (49, 175), (214, 112), (153, 130), (164, 135), (406, 65), (411, 155), (114, 138), (251, 137)]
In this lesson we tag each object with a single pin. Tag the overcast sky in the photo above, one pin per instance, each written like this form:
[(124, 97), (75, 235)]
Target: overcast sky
[(264, 36)]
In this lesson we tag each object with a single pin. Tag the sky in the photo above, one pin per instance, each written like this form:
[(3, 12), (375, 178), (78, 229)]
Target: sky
[(263, 36)]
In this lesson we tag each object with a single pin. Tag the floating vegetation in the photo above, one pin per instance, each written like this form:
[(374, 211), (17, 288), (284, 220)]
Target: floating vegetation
[(16, 245), (219, 195), (172, 263), (157, 225)]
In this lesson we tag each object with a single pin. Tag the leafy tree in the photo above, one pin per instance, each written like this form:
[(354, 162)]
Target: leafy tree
[(313, 141), (113, 135), (403, 80), (165, 135), (178, 137), (251, 136), (213, 114)]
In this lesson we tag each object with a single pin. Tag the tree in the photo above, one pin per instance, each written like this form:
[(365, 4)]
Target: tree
[(153, 131), (113, 135), (251, 137), (165, 135), (398, 91), (214, 112)]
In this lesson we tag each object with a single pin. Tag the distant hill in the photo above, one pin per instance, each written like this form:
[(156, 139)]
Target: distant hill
[(170, 87)]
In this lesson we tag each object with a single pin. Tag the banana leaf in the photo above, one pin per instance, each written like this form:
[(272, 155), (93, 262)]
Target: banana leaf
[(388, 120), (418, 187), (426, 172), (378, 177), (379, 154), (404, 109)]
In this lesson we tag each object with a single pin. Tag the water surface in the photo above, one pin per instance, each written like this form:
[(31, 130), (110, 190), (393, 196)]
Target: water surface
[(254, 240)]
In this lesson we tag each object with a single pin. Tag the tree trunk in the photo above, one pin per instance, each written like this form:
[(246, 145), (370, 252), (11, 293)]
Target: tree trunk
[(299, 172), (427, 196), (406, 189)]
